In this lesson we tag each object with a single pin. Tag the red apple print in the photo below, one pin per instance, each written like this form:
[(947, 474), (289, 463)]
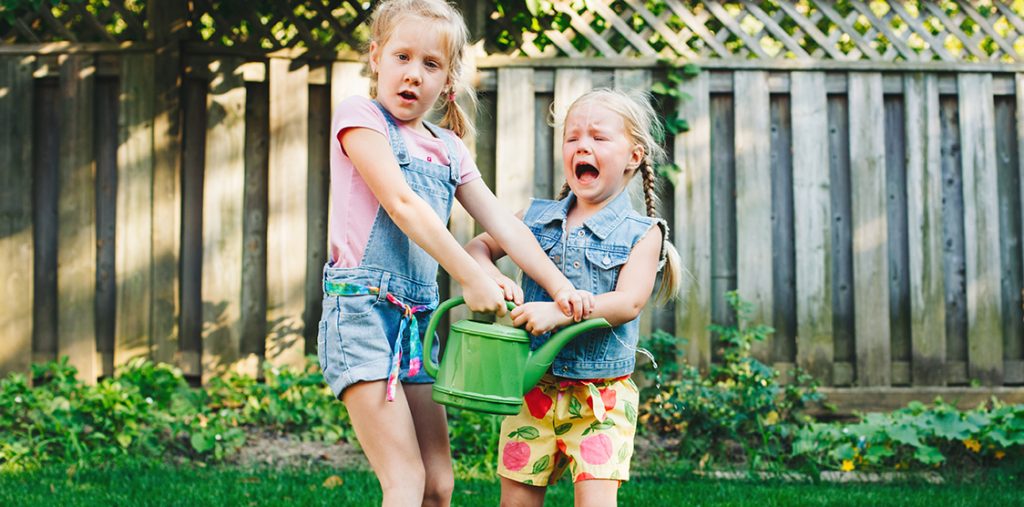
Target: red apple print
[(584, 477), (561, 445), (596, 449), (515, 456), (608, 398), (538, 402)]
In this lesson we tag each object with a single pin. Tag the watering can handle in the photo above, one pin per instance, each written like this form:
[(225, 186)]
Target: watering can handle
[(428, 339)]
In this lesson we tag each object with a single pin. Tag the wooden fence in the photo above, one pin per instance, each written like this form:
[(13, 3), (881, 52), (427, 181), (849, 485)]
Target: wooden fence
[(871, 214)]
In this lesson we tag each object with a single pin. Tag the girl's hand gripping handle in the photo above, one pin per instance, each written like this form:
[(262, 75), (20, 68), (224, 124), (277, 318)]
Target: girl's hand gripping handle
[(428, 338)]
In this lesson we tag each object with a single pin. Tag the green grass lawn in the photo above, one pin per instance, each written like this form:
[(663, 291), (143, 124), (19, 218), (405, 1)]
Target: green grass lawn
[(157, 484)]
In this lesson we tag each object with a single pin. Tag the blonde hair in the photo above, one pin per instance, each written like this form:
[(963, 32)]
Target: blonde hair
[(643, 128), (442, 16)]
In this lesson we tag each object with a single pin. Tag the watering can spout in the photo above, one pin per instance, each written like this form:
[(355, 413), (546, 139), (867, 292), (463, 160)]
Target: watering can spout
[(541, 359)]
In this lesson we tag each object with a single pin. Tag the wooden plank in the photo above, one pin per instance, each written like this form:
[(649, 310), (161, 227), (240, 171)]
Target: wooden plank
[(1010, 269), (981, 229), (754, 199), (223, 199), (544, 145), (723, 213), (317, 203), (76, 252), (813, 234), (105, 146), (287, 226), (953, 240), (134, 271), (194, 111), (46, 175), (924, 229), (16, 229), (783, 342), (896, 204), (870, 241), (842, 236), (888, 399), (514, 144), (253, 312), (569, 85), (692, 207), (168, 26)]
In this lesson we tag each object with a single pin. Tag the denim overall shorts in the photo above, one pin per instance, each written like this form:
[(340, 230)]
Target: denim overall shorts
[(374, 315)]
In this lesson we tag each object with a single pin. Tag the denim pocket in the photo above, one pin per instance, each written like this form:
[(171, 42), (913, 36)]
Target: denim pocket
[(354, 306)]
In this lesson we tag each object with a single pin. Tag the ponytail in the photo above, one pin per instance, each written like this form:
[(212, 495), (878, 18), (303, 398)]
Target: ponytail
[(671, 273)]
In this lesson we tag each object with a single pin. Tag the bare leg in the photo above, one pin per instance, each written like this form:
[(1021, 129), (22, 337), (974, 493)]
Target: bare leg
[(388, 436), (597, 492), (432, 434), (517, 494)]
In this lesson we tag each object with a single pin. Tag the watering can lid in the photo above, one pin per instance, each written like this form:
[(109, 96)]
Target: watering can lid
[(498, 331)]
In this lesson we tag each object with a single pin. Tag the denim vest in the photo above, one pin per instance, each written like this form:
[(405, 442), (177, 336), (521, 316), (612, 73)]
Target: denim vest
[(591, 257)]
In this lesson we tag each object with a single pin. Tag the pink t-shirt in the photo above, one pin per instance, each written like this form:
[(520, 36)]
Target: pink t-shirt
[(353, 205)]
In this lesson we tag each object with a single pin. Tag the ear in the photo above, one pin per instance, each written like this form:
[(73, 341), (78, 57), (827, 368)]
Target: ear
[(636, 157), (374, 56)]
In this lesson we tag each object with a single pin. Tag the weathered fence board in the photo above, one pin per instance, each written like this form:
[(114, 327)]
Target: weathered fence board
[(16, 229), (783, 341), (813, 234), (317, 202), (222, 221), (76, 252), (1010, 277), (843, 321), (693, 207), (253, 312), (896, 220), (105, 142), (870, 242), (134, 271), (924, 229), (46, 171), (287, 216), (981, 229), (723, 215), (953, 243), (754, 198)]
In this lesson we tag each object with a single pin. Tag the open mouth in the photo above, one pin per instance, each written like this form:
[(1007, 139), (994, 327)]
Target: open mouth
[(586, 173), (407, 95)]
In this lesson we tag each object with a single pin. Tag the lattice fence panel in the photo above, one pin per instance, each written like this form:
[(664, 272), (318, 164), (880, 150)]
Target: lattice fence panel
[(75, 21), (847, 30), (850, 30)]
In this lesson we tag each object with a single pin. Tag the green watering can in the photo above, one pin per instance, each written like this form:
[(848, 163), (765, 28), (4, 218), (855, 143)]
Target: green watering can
[(489, 367)]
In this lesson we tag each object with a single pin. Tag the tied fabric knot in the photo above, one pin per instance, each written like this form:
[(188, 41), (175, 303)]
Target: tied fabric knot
[(408, 321), (416, 349)]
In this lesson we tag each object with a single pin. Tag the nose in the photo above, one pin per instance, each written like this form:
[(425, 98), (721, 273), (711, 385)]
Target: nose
[(412, 76), (582, 146)]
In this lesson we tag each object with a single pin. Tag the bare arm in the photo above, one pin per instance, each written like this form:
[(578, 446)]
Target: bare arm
[(636, 281), (509, 235), (417, 219)]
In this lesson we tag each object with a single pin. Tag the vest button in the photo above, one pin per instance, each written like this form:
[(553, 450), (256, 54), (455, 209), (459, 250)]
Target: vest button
[(576, 264), (580, 233), (606, 260)]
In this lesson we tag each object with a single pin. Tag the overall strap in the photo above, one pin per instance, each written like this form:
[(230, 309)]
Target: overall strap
[(449, 140), (397, 142)]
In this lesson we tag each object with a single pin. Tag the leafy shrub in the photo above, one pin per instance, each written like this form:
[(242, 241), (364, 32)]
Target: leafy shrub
[(148, 410), (738, 412), (917, 436)]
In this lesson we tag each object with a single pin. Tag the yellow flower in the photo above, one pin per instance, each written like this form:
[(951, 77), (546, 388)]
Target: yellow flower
[(847, 465), (972, 444), (1000, 454), (771, 418)]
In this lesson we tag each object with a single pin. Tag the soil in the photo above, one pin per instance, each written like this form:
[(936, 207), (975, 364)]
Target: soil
[(266, 449)]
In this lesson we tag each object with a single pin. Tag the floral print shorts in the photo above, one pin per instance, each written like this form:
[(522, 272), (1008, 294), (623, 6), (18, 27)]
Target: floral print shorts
[(558, 428)]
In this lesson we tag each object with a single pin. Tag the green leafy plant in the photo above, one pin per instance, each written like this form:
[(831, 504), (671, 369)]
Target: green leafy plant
[(738, 413)]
